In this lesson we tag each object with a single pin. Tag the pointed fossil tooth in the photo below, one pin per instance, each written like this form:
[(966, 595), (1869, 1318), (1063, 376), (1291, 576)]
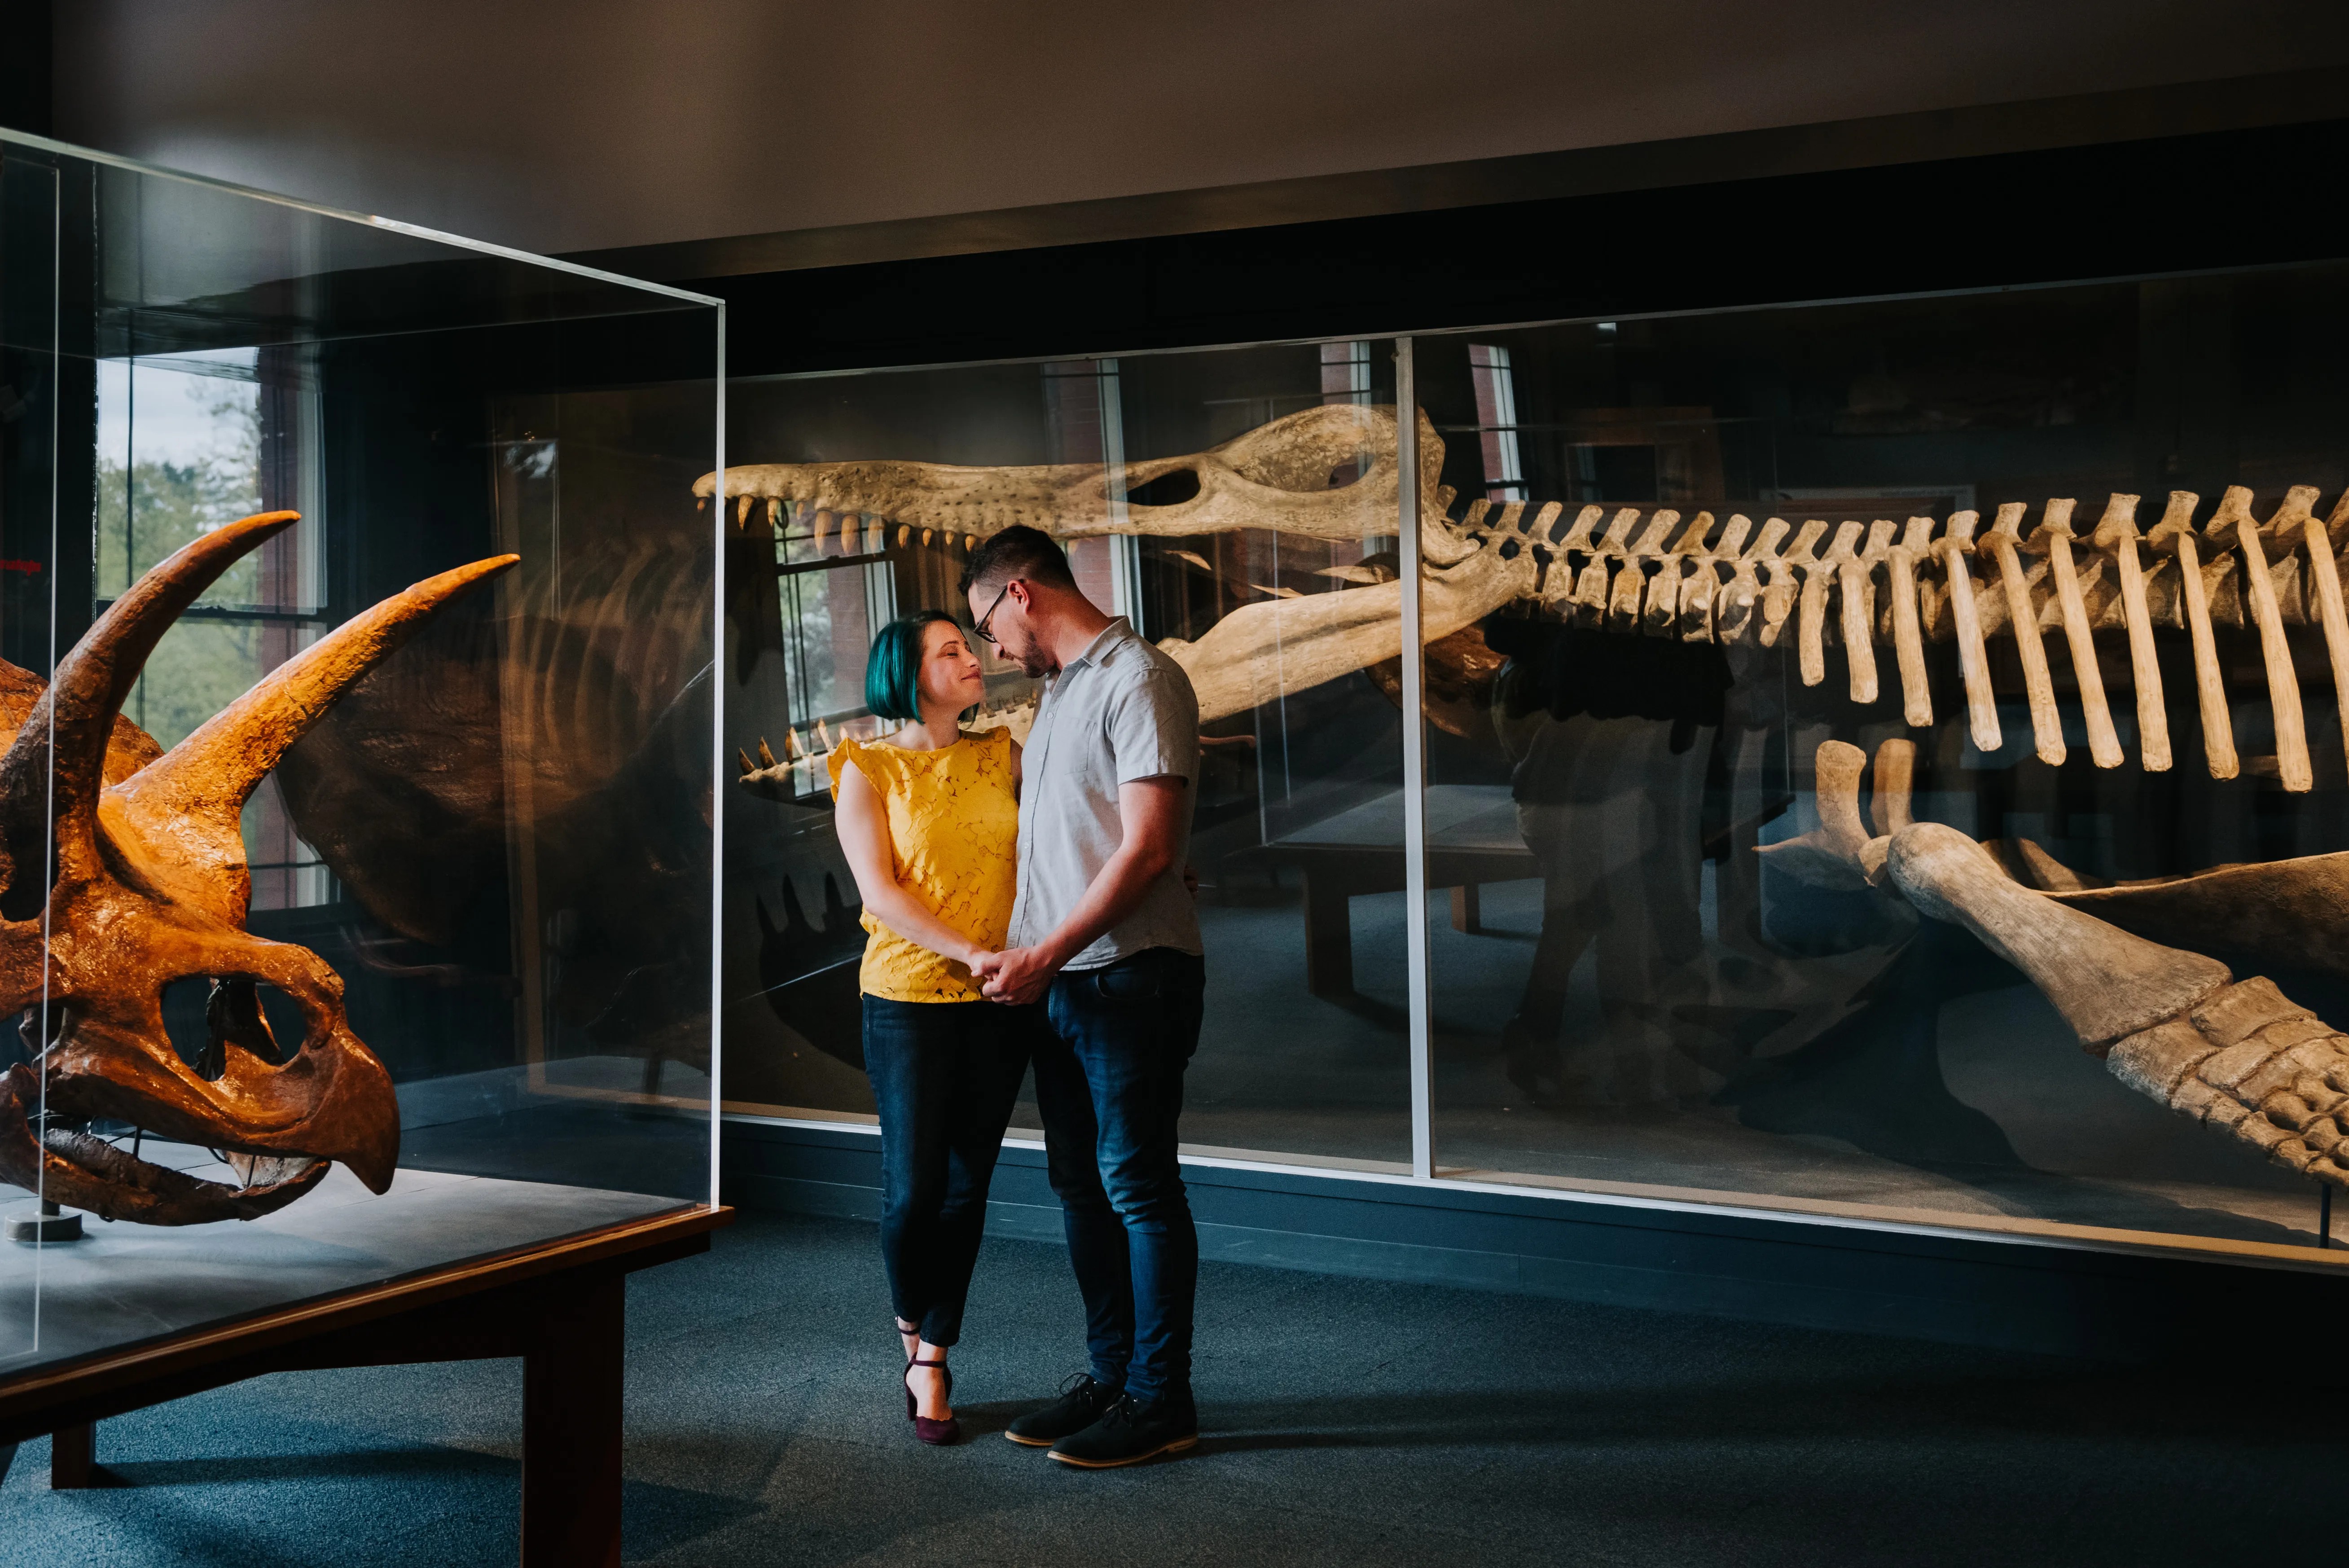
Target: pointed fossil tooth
[(904, 531), (2232, 526), (742, 512), (2046, 721), (743, 758), (766, 757), (2116, 535), (2053, 538), (2175, 535)]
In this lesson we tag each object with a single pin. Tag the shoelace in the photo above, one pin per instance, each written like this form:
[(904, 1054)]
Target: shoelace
[(1126, 1412)]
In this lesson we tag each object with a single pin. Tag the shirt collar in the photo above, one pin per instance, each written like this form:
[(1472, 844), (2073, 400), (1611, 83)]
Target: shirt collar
[(1116, 631)]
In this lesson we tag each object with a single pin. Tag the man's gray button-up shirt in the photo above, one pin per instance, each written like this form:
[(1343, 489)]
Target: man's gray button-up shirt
[(1120, 711)]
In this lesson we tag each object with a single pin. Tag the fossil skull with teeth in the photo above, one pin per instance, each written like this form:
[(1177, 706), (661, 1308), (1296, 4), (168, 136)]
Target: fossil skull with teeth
[(122, 871)]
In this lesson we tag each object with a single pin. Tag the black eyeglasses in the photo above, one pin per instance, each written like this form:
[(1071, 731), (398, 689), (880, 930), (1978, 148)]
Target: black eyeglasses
[(979, 630)]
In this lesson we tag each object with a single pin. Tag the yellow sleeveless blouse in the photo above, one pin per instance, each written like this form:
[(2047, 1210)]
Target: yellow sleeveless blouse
[(954, 827)]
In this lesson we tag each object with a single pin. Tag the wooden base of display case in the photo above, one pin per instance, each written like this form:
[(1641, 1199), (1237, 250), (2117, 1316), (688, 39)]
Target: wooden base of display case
[(559, 1305)]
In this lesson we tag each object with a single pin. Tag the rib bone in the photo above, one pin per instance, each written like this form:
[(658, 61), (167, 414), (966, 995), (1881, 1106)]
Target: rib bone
[(2174, 535), (2234, 525), (1908, 636), (2317, 538), (1965, 618), (2117, 534), (2053, 538), (2046, 722)]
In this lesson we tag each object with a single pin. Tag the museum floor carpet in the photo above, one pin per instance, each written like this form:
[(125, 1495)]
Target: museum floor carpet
[(1347, 1422)]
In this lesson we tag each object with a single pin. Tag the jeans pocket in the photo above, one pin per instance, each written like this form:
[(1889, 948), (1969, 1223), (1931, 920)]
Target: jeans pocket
[(1137, 979)]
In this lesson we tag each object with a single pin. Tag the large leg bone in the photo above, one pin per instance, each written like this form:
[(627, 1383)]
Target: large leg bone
[(2053, 538), (1703, 584), (2324, 572), (2232, 526), (1908, 635), (2175, 1026), (2174, 535), (2116, 535), (1965, 619), (2046, 721)]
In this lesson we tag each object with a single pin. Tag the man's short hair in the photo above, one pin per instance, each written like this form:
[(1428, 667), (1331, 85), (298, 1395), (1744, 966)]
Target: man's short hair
[(1016, 552)]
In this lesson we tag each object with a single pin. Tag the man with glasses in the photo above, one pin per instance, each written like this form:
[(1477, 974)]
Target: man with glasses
[(1104, 931)]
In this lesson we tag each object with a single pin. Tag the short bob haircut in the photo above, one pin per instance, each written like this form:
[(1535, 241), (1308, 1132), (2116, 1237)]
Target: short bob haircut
[(893, 670)]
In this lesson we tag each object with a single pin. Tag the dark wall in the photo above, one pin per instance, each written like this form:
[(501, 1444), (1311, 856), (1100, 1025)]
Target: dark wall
[(2128, 209), (621, 122)]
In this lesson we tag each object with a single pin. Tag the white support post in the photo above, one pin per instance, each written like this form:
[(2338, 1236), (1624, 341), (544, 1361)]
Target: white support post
[(718, 782), (1414, 770), (1125, 550)]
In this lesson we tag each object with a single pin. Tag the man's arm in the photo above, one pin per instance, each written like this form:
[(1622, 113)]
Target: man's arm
[(1152, 811)]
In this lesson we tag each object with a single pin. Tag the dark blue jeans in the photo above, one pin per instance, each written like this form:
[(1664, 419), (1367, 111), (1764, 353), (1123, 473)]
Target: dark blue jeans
[(944, 1076), (1109, 1084)]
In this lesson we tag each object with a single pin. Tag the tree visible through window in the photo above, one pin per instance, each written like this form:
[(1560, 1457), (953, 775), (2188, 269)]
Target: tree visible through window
[(185, 444)]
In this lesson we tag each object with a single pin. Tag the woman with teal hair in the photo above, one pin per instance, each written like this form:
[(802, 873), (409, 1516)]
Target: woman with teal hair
[(929, 820)]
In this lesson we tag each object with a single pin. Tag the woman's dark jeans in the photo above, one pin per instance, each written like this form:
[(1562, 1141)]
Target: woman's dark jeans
[(945, 1076), (1109, 1084)]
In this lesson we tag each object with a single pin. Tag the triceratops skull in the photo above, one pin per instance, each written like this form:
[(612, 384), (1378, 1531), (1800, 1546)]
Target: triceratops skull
[(122, 870)]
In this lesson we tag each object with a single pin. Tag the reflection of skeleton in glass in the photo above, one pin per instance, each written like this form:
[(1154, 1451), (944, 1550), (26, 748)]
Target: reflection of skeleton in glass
[(1612, 775)]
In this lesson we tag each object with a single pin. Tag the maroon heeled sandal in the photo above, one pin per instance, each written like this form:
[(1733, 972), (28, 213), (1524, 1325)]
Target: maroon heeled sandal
[(938, 1433)]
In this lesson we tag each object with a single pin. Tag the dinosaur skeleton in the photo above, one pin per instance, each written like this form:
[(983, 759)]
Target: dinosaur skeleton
[(122, 870), (1330, 472), (2176, 1025)]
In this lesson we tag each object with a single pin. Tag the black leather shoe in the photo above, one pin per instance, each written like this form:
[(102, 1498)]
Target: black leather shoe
[(1129, 1432), (1082, 1399)]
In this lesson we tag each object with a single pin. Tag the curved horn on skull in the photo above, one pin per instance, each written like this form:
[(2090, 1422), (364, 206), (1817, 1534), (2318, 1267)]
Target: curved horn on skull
[(54, 767), (193, 797)]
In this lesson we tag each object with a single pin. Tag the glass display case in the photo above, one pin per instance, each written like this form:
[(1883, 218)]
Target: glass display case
[(1758, 861), (358, 623)]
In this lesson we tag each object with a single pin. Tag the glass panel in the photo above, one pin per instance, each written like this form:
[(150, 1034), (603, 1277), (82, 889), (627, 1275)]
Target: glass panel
[(409, 846), (1658, 963), (1225, 502)]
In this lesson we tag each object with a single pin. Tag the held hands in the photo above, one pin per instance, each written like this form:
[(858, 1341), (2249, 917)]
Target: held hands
[(1016, 976)]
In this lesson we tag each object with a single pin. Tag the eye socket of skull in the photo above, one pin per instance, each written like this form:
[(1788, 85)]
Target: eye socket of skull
[(1169, 489), (204, 1015)]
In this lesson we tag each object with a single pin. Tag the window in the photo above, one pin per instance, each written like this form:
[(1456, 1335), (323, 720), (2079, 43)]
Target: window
[(187, 442), (1496, 420)]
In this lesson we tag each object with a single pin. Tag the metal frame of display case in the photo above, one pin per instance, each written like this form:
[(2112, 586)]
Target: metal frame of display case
[(1612, 1202), (557, 1305)]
